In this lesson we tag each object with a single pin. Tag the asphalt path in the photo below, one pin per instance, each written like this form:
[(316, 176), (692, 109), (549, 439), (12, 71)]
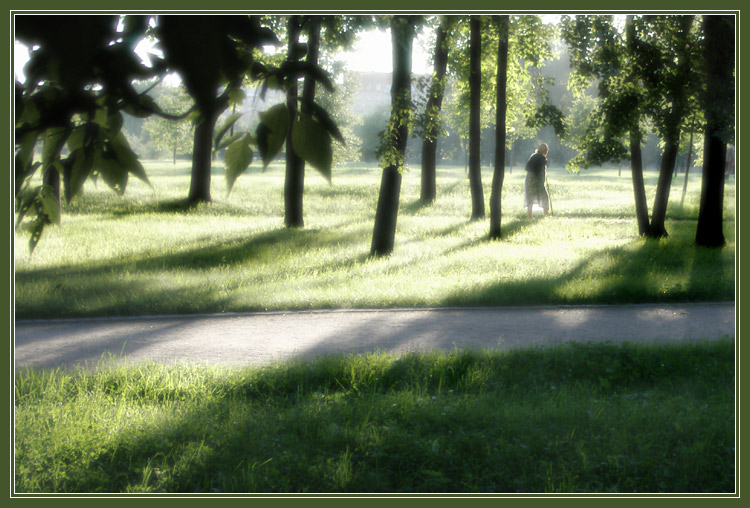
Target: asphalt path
[(267, 337)]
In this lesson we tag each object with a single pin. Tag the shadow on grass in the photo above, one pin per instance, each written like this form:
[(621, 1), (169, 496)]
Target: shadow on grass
[(629, 274), (334, 426)]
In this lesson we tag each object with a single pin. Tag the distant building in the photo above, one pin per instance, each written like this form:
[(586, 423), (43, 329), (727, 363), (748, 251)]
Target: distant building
[(374, 91)]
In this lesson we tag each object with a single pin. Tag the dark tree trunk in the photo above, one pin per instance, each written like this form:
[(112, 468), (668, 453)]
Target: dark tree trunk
[(499, 174), (174, 155), (432, 117), (639, 189), (384, 232), (200, 179), (656, 228), (294, 181), (719, 105), (475, 132), (678, 98)]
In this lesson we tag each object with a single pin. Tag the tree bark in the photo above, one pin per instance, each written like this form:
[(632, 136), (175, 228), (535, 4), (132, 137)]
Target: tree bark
[(428, 191), (200, 180), (719, 105), (498, 176), (639, 189), (657, 228), (294, 181), (384, 232), (677, 96), (475, 84)]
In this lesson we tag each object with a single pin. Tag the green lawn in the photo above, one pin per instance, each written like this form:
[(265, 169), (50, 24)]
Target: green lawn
[(578, 418), (572, 418), (143, 254)]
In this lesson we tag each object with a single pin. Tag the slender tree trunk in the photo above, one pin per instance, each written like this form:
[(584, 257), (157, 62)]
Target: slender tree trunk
[(499, 174), (432, 116), (687, 162), (174, 155), (475, 132), (678, 99), (200, 180), (384, 232), (657, 228), (294, 181), (639, 189), (719, 105)]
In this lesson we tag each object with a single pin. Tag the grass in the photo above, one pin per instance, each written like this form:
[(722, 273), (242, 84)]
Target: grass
[(575, 418), (145, 254), (571, 418)]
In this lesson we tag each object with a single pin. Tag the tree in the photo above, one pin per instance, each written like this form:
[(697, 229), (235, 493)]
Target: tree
[(718, 50), (432, 111), (165, 134), (210, 53), (335, 32), (498, 176), (294, 180), (81, 76), (475, 93), (79, 82), (396, 136), (665, 66), (647, 74)]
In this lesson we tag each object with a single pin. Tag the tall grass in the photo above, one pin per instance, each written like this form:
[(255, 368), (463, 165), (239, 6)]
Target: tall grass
[(144, 253), (575, 418)]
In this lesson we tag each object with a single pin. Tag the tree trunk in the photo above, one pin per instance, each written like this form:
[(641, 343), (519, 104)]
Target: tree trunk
[(719, 105), (639, 190), (432, 116), (475, 133), (499, 174), (687, 162), (294, 181), (384, 232), (678, 97), (657, 228), (200, 179)]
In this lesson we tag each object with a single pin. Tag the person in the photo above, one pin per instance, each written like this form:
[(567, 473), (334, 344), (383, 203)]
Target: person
[(534, 191)]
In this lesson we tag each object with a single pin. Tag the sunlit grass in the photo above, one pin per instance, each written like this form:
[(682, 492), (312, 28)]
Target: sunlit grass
[(574, 418), (145, 254)]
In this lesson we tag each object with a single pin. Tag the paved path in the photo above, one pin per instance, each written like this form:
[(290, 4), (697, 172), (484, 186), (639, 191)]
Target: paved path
[(262, 338)]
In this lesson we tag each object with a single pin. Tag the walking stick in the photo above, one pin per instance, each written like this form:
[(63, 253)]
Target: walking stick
[(549, 195)]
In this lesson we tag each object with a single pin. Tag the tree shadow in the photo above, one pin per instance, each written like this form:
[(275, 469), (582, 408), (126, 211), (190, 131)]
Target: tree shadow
[(624, 274)]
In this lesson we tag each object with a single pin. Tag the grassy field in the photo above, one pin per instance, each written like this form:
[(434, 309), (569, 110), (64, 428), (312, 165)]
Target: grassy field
[(143, 254), (593, 418), (574, 418)]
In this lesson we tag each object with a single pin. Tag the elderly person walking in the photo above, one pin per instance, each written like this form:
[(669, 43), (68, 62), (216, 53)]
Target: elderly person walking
[(534, 191)]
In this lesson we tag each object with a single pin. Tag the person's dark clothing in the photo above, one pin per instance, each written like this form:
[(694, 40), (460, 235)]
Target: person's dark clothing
[(534, 190)]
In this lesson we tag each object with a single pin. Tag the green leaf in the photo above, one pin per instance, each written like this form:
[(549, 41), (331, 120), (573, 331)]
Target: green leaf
[(80, 171), (224, 128), (113, 174), (272, 132), (50, 204), (237, 159), (54, 140), (236, 96), (312, 143), (26, 148), (76, 138), (126, 157), (231, 139)]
